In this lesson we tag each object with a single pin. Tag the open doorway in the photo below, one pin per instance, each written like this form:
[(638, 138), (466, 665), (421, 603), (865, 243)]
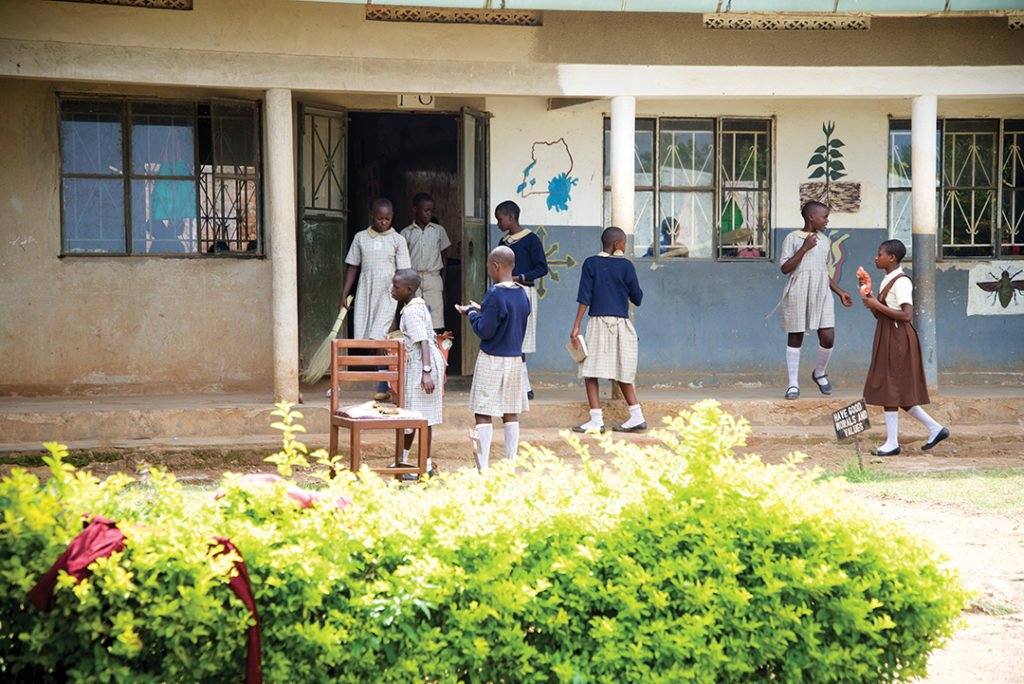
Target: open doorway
[(397, 155)]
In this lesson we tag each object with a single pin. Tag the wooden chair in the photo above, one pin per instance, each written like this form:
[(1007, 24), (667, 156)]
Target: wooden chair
[(346, 367)]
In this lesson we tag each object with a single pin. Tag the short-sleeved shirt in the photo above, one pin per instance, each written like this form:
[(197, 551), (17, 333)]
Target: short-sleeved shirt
[(426, 245), (901, 292)]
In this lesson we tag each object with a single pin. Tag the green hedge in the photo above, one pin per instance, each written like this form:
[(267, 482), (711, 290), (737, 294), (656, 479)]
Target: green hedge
[(671, 563)]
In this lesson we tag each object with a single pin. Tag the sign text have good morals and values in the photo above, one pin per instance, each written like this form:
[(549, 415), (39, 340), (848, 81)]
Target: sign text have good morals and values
[(851, 420)]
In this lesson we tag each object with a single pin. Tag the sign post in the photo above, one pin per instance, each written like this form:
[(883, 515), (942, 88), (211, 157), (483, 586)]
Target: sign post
[(850, 422)]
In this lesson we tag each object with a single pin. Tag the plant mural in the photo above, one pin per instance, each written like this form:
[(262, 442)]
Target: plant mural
[(827, 164)]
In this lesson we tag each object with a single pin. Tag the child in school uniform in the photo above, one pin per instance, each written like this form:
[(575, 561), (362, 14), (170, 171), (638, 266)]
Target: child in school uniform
[(424, 362), (608, 283), (531, 264), (896, 375), (806, 303), (500, 322), (375, 255), (427, 241)]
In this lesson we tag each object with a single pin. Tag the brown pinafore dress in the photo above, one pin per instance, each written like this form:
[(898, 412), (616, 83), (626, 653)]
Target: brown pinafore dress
[(896, 375)]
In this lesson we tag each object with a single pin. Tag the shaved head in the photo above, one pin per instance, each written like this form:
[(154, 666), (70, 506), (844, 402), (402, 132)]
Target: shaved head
[(409, 277), (502, 255), (611, 235)]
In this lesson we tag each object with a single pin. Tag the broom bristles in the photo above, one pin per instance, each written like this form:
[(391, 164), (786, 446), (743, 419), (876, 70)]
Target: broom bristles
[(320, 362)]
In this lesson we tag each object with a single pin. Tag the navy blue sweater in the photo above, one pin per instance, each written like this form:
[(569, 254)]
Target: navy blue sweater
[(530, 261), (501, 321), (608, 285)]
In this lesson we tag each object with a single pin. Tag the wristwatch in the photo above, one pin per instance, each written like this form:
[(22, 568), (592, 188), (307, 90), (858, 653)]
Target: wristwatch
[(427, 369)]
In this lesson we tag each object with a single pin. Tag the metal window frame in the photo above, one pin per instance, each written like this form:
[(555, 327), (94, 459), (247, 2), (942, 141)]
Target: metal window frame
[(127, 175), (995, 230), (717, 187)]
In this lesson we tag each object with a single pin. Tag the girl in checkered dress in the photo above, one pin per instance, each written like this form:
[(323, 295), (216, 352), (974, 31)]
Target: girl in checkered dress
[(807, 301), (424, 362), (608, 284), (500, 322), (375, 255)]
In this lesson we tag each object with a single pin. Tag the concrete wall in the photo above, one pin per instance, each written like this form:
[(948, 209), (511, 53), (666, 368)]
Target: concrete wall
[(82, 323)]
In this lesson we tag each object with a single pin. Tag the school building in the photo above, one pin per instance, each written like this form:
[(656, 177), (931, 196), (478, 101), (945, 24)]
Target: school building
[(180, 179)]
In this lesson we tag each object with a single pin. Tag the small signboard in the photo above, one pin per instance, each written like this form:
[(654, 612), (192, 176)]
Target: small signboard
[(851, 420)]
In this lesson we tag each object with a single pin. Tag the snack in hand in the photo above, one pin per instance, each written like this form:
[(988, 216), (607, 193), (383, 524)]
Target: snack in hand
[(865, 281)]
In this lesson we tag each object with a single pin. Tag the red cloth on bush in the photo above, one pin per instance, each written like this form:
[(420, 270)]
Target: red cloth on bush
[(99, 539), (240, 585)]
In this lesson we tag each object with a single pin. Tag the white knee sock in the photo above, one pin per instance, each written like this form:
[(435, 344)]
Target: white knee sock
[(892, 431), (596, 421), (823, 356), (933, 427), (485, 431), (405, 455), (511, 439), (793, 365), (526, 377), (636, 416)]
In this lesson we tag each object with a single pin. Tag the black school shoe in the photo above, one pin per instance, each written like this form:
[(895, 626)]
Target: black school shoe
[(636, 428), (826, 389), (943, 434), (879, 452), (580, 428)]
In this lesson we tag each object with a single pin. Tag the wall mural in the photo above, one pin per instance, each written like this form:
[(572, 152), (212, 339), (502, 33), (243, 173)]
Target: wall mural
[(996, 288), (553, 161), (835, 269), (827, 162), (555, 263)]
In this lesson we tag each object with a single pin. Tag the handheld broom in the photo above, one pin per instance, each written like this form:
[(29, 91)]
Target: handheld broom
[(320, 362)]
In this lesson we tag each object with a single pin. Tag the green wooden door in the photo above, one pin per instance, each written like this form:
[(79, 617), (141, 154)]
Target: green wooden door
[(473, 173), (322, 187)]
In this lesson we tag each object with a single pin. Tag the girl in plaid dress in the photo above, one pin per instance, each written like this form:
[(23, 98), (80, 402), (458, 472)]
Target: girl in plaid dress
[(806, 302), (375, 255), (608, 283), (423, 359), (500, 321)]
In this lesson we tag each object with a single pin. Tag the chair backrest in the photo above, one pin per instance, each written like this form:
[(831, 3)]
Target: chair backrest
[(348, 368)]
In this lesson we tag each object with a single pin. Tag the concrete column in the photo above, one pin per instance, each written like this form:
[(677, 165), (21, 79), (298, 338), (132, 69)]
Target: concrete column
[(622, 175), (923, 199), (280, 186)]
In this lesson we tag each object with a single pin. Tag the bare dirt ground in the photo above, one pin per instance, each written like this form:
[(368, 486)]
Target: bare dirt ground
[(986, 548)]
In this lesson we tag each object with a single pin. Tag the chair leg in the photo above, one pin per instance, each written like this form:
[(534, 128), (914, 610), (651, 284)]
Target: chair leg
[(354, 447), (332, 450), (424, 450), (399, 444)]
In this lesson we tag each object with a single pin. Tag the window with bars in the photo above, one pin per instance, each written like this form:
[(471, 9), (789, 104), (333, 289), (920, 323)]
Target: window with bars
[(159, 177), (703, 187), (980, 183)]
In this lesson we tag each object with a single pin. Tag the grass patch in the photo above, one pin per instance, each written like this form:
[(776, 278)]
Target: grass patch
[(981, 490)]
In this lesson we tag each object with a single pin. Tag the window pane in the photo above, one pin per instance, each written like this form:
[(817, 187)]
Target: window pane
[(93, 215), (744, 159), (163, 216), (643, 213), (900, 217), (744, 223), (1012, 219), (90, 137), (162, 139), (687, 221), (228, 183), (686, 149), (967, 219), (899, 158), (969, 187)]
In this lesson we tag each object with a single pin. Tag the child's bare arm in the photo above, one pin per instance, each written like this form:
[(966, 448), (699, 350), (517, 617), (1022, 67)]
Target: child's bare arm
[(576, 326), (426, 381), (350, 279), (904, 314), (843, 295)]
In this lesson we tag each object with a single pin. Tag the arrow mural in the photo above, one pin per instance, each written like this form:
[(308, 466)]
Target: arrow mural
[(556, 264)]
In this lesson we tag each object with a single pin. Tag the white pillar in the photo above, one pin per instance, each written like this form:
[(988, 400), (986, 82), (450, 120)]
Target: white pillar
[(622, 153), (280, 185), (923, 199)]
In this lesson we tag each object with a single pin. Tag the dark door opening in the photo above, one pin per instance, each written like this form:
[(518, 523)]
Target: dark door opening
[(397, 155)]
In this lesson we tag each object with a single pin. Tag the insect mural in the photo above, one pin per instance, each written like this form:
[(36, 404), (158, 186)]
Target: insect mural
[(1004, 287)]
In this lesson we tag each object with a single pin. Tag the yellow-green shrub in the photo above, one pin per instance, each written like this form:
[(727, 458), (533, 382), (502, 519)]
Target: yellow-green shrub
[(671, 563)]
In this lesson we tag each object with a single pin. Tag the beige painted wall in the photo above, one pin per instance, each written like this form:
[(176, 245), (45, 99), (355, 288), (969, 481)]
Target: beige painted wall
[(82, 323), (862, 125)]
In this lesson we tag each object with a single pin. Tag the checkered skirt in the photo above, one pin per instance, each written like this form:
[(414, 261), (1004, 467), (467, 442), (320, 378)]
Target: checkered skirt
[(530, 338), (498, 386), (612, 349), (416, 327)]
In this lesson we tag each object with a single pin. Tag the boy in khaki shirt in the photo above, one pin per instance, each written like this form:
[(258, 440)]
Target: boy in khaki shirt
[(427, 241)]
